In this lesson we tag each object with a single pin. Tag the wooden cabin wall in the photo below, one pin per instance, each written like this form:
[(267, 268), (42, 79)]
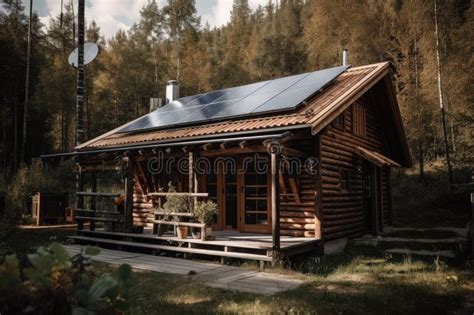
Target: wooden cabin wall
[(386, 197), (142, 204), (297, 218), (343, 210)]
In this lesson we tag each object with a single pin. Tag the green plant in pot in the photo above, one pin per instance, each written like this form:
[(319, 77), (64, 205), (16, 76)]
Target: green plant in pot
[(177, 203), (205, 212)]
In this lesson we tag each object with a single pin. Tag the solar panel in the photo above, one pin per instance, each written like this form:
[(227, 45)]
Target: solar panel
[(276, 95)]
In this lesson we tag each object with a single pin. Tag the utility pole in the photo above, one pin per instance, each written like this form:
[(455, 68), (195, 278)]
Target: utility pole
[(80, 74), (441, 102), (27, 86)]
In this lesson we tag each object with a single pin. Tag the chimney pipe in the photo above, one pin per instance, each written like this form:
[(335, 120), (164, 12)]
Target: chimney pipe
[(172, 91), (344, 57), (155, 102)]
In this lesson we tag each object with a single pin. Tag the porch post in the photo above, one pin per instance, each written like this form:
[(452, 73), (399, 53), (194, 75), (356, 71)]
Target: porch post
[(275, 202), (128, 213), (79, 198), (318, 211), (93, 198)]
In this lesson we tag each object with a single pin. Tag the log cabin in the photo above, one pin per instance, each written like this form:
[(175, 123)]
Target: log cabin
[(325, 143)]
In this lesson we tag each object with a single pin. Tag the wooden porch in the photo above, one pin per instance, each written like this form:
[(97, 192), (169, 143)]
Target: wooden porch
[(227, 244)]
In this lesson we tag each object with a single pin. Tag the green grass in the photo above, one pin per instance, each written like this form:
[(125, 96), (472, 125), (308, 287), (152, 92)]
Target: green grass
[(360, 280)]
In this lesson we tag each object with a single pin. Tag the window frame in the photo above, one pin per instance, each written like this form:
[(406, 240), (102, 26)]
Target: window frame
[(340, 121), (359, 120)]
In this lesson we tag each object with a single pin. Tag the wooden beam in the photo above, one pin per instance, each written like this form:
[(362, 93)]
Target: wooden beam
[(93, 199), (275, 204), (381, 199), (374, 206), (79, 199), (294, 152), (206, 146), (294, 189), (233, 151), (318, 190), (243, 144), (128, 214)]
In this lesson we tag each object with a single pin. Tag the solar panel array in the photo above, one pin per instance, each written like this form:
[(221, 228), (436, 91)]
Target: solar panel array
[(271, 96)]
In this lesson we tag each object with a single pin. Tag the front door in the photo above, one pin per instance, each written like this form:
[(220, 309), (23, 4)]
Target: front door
[(242, 198), (372, 191), (221, 185)]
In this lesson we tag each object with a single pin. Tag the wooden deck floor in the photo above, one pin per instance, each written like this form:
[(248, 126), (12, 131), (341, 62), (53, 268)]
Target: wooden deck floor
[(227, 244), (213, 275)]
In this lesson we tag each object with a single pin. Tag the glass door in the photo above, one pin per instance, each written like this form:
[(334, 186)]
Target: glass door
[(212, 187), (230, 197), (255, 205)]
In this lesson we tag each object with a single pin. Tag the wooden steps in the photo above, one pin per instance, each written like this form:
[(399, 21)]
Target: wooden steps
[(186, 250)]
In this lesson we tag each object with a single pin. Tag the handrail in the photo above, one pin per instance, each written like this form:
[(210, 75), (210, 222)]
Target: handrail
[(87, 193), (164, 194)]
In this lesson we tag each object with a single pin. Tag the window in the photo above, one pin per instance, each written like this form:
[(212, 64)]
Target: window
[(344, 180), (358, 120), (339, 122)]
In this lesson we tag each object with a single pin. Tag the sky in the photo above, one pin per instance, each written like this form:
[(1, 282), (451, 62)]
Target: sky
[(112, 15)]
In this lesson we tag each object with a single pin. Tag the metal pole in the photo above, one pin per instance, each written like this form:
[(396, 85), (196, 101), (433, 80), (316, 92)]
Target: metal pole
[(80, 74), (27, 85)]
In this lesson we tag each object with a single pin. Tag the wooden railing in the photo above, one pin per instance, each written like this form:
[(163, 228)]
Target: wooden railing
[(89, 215)]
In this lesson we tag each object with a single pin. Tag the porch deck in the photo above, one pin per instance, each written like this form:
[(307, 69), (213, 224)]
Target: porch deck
[(227, 244)]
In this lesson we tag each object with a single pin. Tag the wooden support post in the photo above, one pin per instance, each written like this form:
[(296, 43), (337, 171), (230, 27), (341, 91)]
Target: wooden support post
[(318, 204), (389, 188), (374, 199), (275, 202), (380, 199), (195, 185), (79, 198), (472, 225), (93, 199), (128, 213)]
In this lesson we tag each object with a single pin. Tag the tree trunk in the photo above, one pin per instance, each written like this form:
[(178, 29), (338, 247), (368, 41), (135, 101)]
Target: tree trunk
[(27, 86), (441, 101)]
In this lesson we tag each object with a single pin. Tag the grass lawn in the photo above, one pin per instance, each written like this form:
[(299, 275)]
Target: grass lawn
[(358, 281)]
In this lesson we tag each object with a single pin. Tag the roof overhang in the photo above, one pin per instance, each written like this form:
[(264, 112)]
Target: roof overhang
[(375, 157), (223, 138)]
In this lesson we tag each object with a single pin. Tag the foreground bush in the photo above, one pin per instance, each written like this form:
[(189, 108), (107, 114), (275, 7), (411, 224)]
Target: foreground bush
[(52, 282)]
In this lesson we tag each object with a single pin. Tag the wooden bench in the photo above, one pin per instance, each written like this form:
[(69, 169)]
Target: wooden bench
[(160, 215), (175, 224)]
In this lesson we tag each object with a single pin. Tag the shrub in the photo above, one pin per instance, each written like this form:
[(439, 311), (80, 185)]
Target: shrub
[(54, 283), (175, 203), (205, 212)]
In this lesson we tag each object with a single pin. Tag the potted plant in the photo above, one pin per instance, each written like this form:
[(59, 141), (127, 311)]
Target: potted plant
[(177, 203), (205, 212)]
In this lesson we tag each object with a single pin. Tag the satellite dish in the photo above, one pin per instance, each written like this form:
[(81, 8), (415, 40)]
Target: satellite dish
[(90, 52)]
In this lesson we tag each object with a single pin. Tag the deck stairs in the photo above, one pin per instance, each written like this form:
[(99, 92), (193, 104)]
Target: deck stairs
[(447, 244)]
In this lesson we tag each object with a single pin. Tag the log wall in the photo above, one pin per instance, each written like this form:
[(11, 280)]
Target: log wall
[(343, 210), (142, 204), (297, 214)]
